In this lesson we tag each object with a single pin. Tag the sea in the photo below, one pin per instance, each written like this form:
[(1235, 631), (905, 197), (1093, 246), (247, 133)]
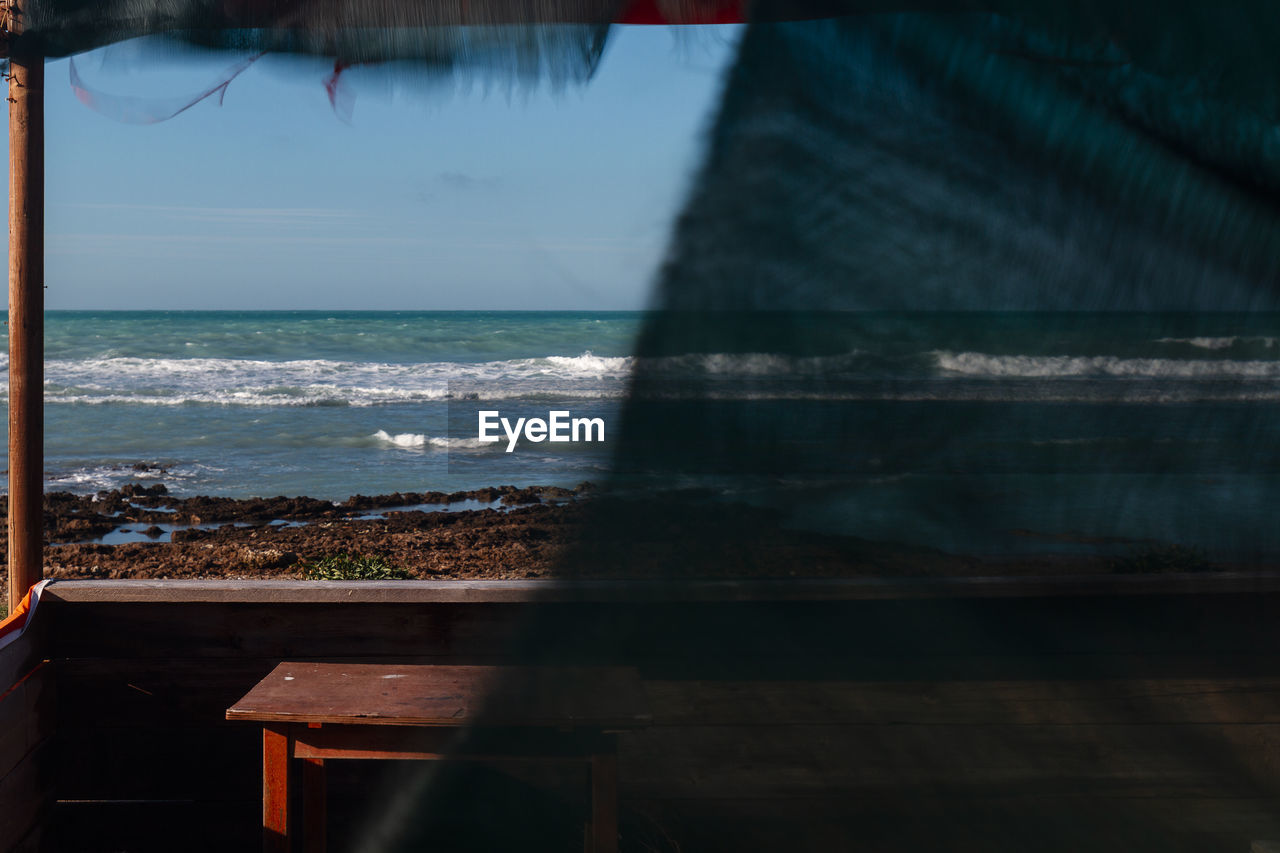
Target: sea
[(322, 404), (986, 432)]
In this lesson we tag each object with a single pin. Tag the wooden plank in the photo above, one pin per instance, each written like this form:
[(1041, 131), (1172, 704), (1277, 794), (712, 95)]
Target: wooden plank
[(1133, 761), (1040, 627), (149, 691), (142, 692), (194, 691), (486, 744), (152, 827), (1014, 824), (315, 816), (518, 821), (824, 665), (448, 806), (1126, 701), (26, 795), (150, 763), (453, 696), (1040, 639), (1122, 761), (26, 716), (637, 591), (214, 764), (23, 652), (37, 840), (603, 831), (211, 630)]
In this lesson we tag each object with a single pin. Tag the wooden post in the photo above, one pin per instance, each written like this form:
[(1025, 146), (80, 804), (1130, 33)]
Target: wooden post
[(26, 312), (315, 818), (277, 749), (603, 836)]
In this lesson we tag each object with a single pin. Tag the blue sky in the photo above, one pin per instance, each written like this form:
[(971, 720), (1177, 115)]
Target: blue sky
[(428, 200)]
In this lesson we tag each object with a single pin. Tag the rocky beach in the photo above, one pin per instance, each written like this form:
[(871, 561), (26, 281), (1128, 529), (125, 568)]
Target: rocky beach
[(140, 531), (502, 532)]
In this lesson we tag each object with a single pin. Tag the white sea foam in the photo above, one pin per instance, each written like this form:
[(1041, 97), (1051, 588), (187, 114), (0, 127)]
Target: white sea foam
[(587, 364), (1225, 342), (415, 440), (295, 397), (750, 364), (457, 443), (320, 382), (94, 478), (976, 364), (404, 439), (323, 382)]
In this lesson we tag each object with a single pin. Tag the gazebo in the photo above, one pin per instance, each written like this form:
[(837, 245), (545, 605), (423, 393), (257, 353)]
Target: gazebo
[(1128, 712)]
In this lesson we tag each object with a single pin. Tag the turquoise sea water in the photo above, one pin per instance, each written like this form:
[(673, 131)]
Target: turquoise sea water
[(981, 432), (323, 404)]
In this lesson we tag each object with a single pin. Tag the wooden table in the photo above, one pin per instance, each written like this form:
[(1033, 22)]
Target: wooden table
[(315, 712)]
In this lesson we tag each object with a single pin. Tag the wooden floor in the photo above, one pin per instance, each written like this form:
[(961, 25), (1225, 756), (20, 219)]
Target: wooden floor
[(1073, 714)]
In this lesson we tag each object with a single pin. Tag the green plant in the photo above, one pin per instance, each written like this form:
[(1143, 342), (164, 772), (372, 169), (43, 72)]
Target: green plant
[(351, 567), (1163, 558)]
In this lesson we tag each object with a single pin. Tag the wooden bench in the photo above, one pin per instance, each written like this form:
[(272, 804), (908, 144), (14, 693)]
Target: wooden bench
[(315, 712)]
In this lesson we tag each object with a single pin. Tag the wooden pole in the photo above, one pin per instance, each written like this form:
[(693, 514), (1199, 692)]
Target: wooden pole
[(26, 314)]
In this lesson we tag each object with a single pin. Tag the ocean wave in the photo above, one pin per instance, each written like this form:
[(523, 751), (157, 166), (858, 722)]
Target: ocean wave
[(457, 443), (751, 365), (404, 439), (324, 382), (168, 371), (410, 440), (1223, 342), (587, 377), (1008, 391), (585, 364), (985, 389), (322, 397), (270, 396), (976, 364), (180, 478)]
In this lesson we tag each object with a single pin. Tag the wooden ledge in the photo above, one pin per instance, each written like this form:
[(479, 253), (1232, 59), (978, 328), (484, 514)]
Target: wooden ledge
[(642, 591)]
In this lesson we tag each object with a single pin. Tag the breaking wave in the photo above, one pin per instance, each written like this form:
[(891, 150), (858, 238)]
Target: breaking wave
[(1223, 342), (324, 382), (411, 440), (976, 364), (555, 378)]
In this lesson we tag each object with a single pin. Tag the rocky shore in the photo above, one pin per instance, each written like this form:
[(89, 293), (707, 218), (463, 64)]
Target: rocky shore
[(504, 532), (518, 532)]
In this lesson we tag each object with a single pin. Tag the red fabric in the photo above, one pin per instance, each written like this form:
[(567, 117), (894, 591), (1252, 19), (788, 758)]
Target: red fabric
[(18, 618), (712, 12)]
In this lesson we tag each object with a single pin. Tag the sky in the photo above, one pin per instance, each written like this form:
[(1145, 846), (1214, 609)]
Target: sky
[(482, 198)]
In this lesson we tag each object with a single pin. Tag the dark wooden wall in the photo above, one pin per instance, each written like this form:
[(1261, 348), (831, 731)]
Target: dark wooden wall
[(27, 719), (989, 716)]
